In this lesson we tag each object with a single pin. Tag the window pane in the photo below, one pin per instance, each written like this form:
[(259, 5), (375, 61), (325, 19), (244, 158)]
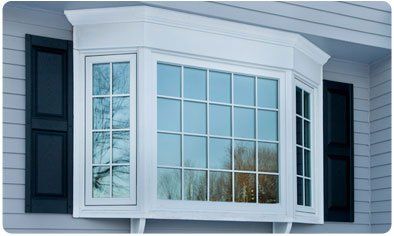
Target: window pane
[(168, 114), (245, 187), (120, 181), (195, 151), (220, 153), (195, 83), (300, 190), (267, 93), (219, 87), (168, 80), (268, 157), (299, 161), (306, 105), (101, 115), (268, 125), (195, 185), (244, 155), (195, 117), (299, 131), (220, 188), (168, 184), (244, 90), (101, 147), (268, 189), (307, 140), (120, 78), (100, 182), (120, 112), (100, 79), (244, 122), (299, 101), (307, 192), (220, 120), (120, 147), (307, 163), (168, 149)]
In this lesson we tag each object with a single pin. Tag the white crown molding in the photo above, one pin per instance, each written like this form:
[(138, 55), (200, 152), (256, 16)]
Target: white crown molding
[(195, 22)]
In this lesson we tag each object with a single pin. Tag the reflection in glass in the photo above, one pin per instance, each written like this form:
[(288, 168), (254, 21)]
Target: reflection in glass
[(195, 83), (299, 161), (220, 153), (195, 187), (219, 87), (120, 78), (120, 112), (101, 113), (268, 125), (195, 151), (120, 147), (220, 188), (100, 79), (244, 122), (300, 190), (169, 183), (168, 80), (299, 131), (168, 149), (267, 93), (100, 183), (268, 189), (299, 101), (168, 114), (195, 117), (307, 133), (120, 181), (245, 187), (220, 120), (101, 147), (307, 163), (307, 192), (244, 91), (268, 157), (244, 155), (306, 105)]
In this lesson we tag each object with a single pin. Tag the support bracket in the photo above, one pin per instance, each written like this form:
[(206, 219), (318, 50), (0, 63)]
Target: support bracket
[(281, 227), (137, 226)]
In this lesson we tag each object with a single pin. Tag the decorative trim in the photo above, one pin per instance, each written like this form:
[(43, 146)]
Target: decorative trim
[(281, 228), (137, 226)]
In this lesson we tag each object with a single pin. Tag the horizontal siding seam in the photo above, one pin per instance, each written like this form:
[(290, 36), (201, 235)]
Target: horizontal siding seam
[(44, 26)]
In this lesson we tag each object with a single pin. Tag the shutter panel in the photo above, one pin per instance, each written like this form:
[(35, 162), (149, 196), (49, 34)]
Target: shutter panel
[(48, 125), (338, 152)]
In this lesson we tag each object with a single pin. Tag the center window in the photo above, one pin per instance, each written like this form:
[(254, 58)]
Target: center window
[(217, 135)]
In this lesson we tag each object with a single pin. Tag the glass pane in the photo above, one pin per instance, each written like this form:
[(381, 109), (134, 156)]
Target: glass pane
[(195, 83), (306, 105), (195, 117), (195, 185), (220, 153), (244, 155), (120, 112), (169, 184), (100, 183), (299, 131), (100, 79), (101, 115), (120, 181), (120, 147), (219, 87), (220, 120), (120, 78), (195, 151), (299, 162), (244, 122), (101, 147), (220, 188), (307, 192), (299, 101), (268, 157), (168, 114), (307, 133), (168, 149), (244, 90), (267, 93), (307, 163), (168, 80), (300, 190), (268, 189), (268, 125), (245, 187)]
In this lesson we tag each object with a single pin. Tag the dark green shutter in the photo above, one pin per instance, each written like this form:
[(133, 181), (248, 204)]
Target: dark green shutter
[(338, 152), (49, 127)]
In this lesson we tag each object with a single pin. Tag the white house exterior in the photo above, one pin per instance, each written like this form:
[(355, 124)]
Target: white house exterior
[(283, 48)]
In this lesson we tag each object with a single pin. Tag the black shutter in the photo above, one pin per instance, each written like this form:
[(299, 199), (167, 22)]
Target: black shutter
[(338, 152), (49, 127)]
